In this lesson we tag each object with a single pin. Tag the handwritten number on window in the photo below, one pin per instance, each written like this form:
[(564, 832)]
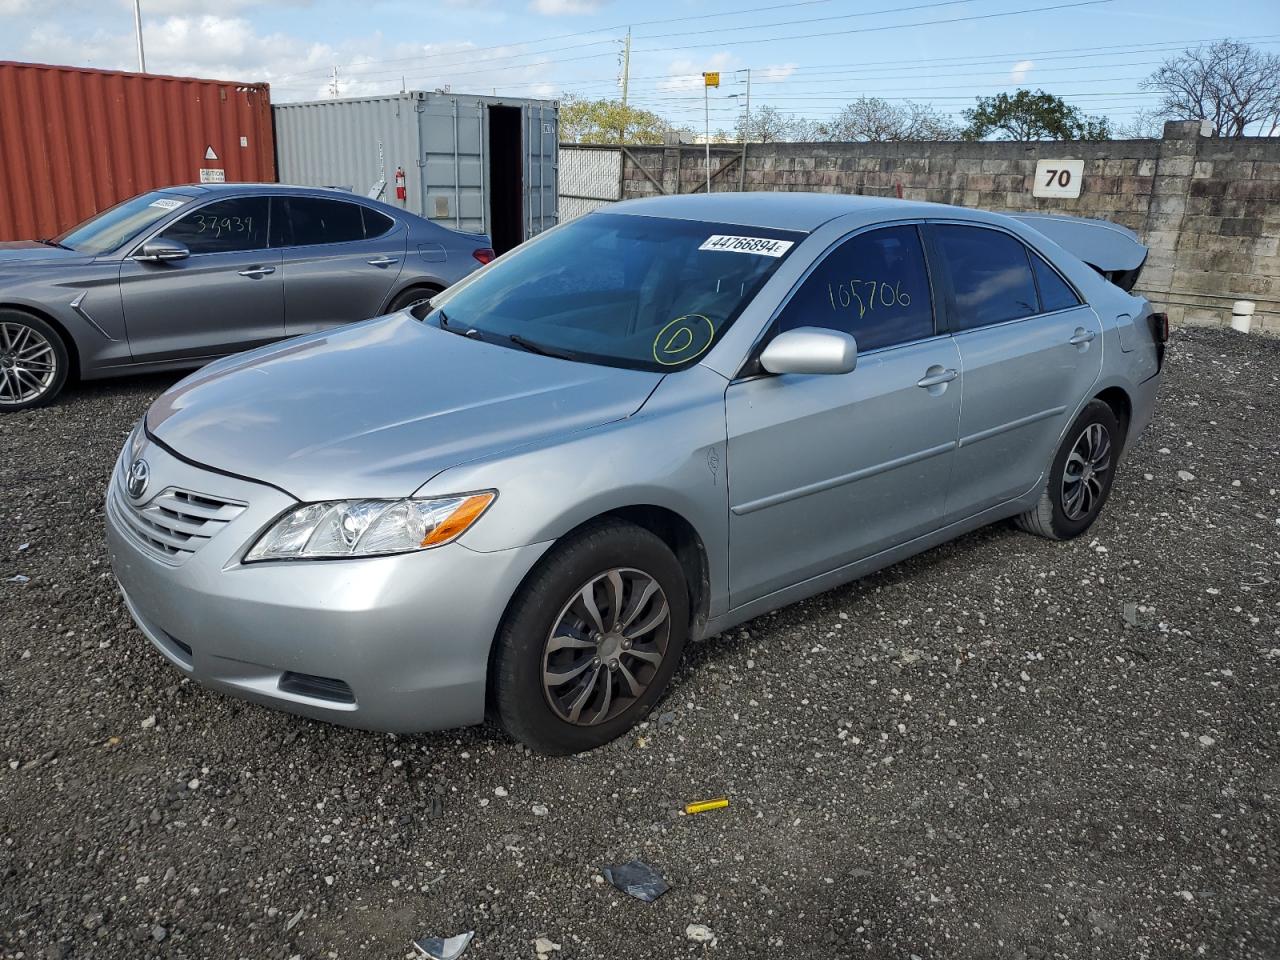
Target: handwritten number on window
[(843, 295), (217, 226)]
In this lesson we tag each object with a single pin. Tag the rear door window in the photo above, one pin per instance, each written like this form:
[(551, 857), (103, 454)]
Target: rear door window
[(990, 275), (310, 221), (874, 286), (224, 226), (1055, 293)]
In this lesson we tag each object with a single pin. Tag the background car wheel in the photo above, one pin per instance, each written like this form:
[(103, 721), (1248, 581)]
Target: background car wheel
[(591, 640), (1080, 478), (33, 361), (408, 298)]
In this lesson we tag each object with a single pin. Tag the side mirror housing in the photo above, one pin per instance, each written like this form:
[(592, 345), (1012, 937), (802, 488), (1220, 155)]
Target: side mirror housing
[(810, 350), (158, 250)]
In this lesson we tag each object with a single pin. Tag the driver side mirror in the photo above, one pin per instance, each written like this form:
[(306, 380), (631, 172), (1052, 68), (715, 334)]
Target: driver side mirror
[(159, 250), (810, 350)]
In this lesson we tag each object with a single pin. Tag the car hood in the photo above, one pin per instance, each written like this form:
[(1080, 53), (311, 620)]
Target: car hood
[(26, 252), (378, 408)]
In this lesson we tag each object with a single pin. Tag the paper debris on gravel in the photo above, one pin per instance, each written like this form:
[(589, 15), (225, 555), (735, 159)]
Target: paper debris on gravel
[(637, 879), (444, 948)]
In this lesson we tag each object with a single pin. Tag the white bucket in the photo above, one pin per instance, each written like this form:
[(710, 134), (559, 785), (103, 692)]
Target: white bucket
[(1242, 315)]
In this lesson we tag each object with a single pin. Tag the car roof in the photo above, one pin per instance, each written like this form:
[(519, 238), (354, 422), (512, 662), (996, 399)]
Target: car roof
[(222, 189), (789, 211)]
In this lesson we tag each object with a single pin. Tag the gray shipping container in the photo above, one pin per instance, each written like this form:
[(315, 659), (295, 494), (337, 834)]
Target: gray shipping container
[(475, 163)]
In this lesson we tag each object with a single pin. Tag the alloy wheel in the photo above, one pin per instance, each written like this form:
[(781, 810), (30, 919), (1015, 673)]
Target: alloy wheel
[(1085, 474), (28, 364), (606, 646)]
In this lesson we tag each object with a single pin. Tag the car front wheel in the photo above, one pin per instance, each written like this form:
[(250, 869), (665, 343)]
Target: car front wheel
[(1080, 478), (33, 361), (591, 640)]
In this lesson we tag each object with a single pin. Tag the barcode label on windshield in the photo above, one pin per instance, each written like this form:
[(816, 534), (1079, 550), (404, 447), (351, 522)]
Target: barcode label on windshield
[(761, 246)]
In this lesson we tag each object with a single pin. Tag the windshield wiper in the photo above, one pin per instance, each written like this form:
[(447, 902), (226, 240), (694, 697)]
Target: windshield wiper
[(538, 348), (53, 243)]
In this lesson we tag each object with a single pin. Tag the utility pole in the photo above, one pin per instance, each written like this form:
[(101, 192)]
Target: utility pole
[(333, 83), (709, 79), (137, 29), (746, 130), (626, 66)]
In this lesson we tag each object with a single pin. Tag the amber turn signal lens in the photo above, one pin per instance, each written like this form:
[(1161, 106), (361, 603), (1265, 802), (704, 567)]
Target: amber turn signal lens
[(467, 513)]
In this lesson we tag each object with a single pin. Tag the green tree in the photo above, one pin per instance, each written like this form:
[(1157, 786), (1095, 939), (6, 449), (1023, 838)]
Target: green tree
[(608, 121), (1031, 116)]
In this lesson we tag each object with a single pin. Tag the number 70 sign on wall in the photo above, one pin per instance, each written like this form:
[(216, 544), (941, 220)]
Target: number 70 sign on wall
[(1058, 178)]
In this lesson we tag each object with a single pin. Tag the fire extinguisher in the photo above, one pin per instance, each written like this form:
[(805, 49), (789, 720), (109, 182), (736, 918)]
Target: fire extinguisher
[(401, 194)]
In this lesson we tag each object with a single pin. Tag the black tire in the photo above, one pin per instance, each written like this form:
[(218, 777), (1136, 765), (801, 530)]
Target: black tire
[(407, 298), (21, 336), (517, 693), (1059, 515)]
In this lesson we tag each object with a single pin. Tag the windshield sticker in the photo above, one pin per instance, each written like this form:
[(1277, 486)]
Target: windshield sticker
[(166, 204), (761, 246), (683, 339)]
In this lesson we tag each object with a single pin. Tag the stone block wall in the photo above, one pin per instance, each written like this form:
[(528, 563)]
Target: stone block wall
[(1209, 208)]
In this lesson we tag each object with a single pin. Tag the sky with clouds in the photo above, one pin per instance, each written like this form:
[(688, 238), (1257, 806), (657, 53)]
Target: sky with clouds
[(806, 58)]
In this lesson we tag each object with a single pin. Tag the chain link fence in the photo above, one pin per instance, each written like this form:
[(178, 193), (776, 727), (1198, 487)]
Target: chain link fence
[(590, 178)]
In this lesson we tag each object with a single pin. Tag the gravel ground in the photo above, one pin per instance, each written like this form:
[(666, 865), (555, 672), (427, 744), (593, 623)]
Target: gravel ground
[(1003, 748)]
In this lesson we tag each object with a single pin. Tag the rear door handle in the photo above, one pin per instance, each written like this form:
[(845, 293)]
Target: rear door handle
[(1082, 336), (936, 379), (383, 261), (257, 271)]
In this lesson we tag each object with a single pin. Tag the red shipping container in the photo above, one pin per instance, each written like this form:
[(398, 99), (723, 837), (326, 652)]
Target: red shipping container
[(73, 142)]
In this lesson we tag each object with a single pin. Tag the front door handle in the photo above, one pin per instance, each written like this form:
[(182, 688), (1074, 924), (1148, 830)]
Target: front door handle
[(257, 271), (1082, 336), (938, 378), (382, 261)]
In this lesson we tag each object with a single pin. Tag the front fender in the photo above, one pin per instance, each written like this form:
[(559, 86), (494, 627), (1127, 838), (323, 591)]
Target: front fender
[(670, 454)]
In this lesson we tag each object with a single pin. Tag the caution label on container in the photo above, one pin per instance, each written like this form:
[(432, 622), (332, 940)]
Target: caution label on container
[(212, 175)]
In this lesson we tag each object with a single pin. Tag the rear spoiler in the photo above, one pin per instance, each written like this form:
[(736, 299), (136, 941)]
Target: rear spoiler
[(1114, 251)]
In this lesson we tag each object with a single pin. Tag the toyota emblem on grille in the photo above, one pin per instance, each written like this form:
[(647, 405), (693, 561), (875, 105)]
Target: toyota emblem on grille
[(139, 476)]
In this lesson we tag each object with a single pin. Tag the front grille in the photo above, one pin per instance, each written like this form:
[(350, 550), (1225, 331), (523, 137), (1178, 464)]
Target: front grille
[(174, 523)]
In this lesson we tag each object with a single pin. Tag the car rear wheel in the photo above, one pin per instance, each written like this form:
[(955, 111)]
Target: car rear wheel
[(1080, 478), (591, 640), (408, 298), (33, 361)]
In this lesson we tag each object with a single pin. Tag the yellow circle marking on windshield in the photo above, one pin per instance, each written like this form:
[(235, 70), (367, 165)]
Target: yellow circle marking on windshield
[(683, 339)]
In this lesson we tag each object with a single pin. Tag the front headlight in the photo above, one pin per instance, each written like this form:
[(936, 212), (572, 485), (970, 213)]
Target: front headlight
[(368, 528)]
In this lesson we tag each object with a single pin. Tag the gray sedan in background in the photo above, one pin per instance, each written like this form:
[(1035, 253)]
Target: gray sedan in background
[(180, 276), (641, 427)]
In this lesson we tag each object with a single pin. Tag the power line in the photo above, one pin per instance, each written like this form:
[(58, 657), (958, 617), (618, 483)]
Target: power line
[(495, 61), (588, 33), (891, 26)]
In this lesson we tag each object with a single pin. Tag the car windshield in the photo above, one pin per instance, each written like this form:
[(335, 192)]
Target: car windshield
[(642, 292), (113, 227)]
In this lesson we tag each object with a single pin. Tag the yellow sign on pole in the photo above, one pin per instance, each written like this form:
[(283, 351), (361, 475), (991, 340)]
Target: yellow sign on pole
[(712, 79)]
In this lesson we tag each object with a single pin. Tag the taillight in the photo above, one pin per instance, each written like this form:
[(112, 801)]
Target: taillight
[(484, 254), (1160, 327)]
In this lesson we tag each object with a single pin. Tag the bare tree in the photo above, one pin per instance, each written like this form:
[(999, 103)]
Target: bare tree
[(767, 124), (1232, 84), (1143, 125), (875, 120)]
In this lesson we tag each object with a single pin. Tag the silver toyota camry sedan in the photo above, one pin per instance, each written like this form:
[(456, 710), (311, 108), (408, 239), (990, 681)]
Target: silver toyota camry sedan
[(643, 427)]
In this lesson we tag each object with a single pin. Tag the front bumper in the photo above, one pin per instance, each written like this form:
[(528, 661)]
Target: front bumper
[(390, 643)]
